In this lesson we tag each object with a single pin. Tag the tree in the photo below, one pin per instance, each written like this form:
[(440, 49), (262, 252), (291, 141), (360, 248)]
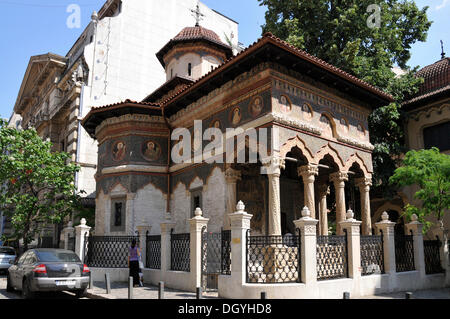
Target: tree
[(36, 184), (430, 171), (365, 38)]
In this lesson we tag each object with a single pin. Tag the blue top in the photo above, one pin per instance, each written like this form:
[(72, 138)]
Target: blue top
[(134, 253)]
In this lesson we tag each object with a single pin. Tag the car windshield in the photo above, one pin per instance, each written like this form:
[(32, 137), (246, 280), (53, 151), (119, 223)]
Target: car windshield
[(49, 256), (7, 251)]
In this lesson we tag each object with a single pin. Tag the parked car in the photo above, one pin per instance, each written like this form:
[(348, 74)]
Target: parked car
[(48, 269), (7, 258)]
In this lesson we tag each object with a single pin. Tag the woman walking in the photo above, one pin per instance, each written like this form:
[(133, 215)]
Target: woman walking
[(133, 262)]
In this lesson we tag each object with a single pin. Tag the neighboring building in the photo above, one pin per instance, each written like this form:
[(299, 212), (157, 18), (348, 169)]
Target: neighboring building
[(113, 59), (317, 112), (428, 126)]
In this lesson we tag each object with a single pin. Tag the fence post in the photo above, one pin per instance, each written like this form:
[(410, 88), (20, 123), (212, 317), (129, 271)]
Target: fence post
[(67, 231), (415, 227), (352, 227), (308, 246), (166, 227), (386, 229), (197, 223), (240, 223), (80, 232), (143, 241), (442, 235)]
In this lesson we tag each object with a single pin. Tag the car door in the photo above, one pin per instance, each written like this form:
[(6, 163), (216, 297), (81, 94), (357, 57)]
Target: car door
[(14, 271)]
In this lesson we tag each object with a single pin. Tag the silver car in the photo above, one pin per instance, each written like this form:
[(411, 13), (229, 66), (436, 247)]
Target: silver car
[(48, 270), (7, 258)]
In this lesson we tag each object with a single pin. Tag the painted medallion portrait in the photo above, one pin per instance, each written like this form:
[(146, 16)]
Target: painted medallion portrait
[(256, 106), (118, 151), (235, 116), (215, 124), (285, 104), (151, 150)]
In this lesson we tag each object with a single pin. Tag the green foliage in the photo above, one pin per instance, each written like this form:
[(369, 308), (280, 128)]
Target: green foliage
[(36, 184), (430, 171), (337, 32)]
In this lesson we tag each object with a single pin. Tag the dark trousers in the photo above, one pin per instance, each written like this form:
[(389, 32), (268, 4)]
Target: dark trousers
[(134, 271)]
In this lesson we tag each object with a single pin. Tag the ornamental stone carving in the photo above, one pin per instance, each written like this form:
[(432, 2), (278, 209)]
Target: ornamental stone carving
[(308, 172), (272, 165)]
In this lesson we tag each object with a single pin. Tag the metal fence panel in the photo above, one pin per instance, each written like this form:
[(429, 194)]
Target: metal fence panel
[(180, 252), (153, 252), (332, 260), (108, 251), (404, 253), (226, 252), (273, 259), (372, 255), (432, 256)]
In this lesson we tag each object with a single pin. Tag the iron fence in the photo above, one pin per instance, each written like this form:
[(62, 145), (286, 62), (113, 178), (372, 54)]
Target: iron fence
[(226, 252), (273, 259), (108, 251), (180, 252), (332, 257), (153, 252), (71, 243), (432, 254), (404, 253), (372, 255)]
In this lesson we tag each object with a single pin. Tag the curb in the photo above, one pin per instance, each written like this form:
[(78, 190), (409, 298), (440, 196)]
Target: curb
[(91, 295)]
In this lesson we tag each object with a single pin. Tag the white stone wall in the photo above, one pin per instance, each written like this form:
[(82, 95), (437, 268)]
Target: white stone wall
[(180, 206), (150, 208), (214, 198)]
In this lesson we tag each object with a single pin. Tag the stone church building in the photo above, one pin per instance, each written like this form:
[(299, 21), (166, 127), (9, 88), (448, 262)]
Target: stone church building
[(317, 113)]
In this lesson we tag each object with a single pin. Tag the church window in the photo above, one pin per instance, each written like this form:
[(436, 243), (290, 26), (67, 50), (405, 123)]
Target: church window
[(190, 69), (118, 207), (437, 136)]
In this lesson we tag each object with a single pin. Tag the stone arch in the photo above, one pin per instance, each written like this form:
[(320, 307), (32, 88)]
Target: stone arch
[(196, 180), (300, 144), (332, 123), (386, 207), (329, 150), (117, 188), (355, 158)]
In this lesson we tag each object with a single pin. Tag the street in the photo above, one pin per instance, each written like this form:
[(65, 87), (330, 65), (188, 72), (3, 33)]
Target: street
[(18, 295)]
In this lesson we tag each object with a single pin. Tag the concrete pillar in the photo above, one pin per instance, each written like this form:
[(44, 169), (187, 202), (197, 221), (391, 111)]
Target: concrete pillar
[(166, 228), (142, 230), (272, 167), (339, 179), (386, 228), (352, 226), (231, 178), (308, 174), (415, 227), (323, 191), (80, 232), (68, 232), (240, 223), (308, 242), (364, 189), (197, 223), (442, 234)]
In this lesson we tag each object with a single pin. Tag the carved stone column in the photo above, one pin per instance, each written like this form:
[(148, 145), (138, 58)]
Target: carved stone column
[(324, 190), (308, 173), (364, 189), (272, 167), (339, 179), (231, 177)]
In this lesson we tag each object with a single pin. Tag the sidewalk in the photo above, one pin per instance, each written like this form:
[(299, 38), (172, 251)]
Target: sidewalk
[(443, 293), (119, 290)]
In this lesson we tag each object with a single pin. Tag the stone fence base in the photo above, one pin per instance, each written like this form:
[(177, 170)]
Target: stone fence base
[(172, 279), (115, 274)]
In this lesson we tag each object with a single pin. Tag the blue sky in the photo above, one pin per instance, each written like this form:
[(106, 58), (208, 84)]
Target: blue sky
[(32, 27)]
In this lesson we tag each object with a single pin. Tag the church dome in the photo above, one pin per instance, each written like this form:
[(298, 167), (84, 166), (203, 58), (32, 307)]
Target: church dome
[(197, 33)]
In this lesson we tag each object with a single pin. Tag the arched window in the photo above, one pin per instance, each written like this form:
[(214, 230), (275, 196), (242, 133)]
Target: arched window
[(190, 69)]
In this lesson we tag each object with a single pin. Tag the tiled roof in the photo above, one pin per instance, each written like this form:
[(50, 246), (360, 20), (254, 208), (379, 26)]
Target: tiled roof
[(437, 80), (197, 32), (269, 37)]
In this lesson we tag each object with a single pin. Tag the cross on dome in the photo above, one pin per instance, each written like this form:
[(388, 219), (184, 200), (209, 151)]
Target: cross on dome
[(197, 14)]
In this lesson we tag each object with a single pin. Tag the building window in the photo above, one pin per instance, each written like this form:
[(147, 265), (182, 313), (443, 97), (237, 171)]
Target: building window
[(118, 210), (196, 199), (437, 136), (190, 69)]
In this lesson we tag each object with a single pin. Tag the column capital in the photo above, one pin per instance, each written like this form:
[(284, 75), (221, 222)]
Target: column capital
[(143, 229), (308, 171), (339, 177), (167, 226), (272, 165), (232, 175), (363, 182)]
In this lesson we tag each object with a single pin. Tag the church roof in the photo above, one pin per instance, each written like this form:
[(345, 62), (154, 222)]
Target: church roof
[(167, 87), (197, 33), (437, 81), (98, 114), (269, 49)]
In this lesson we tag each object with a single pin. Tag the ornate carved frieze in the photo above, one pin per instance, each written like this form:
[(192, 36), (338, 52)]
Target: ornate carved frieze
[(354, 142), (290, 121)]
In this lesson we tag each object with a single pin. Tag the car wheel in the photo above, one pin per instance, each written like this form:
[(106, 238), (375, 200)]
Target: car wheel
[(9, 287), (26, 290), (80, 293)]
